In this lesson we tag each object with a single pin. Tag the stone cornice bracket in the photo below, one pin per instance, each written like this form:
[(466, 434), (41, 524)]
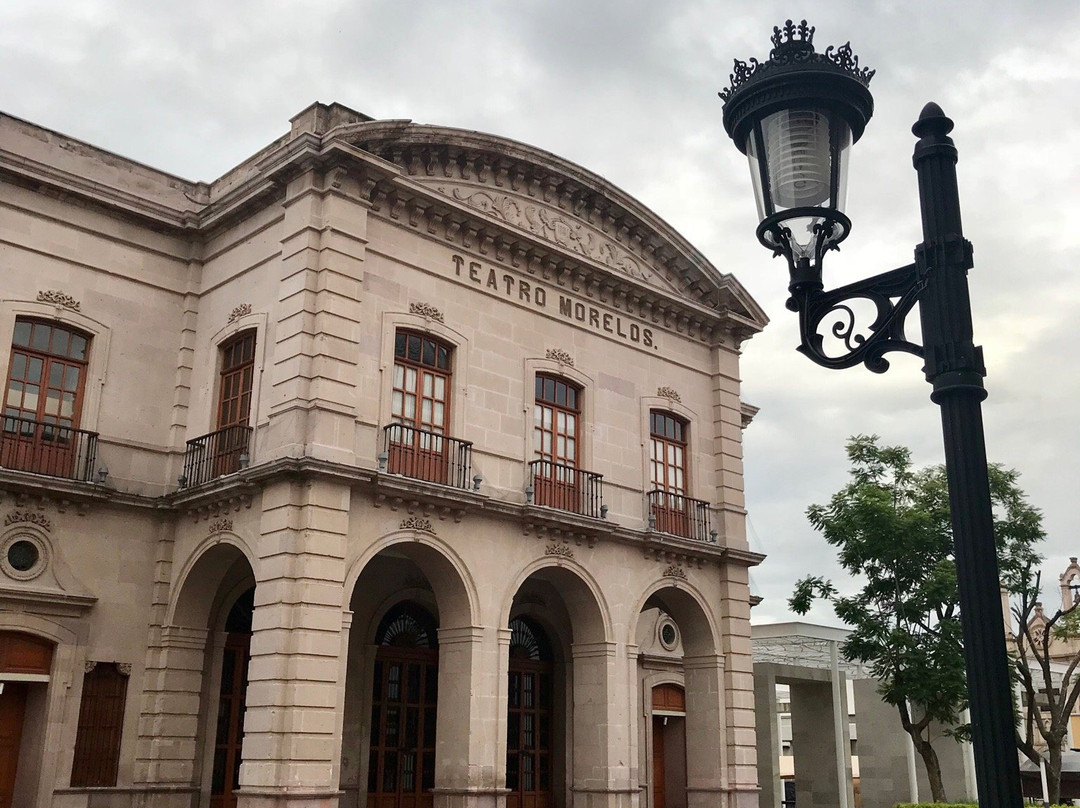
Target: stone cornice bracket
[(427, 311), (243, 310), (59, 299), (560, 356)]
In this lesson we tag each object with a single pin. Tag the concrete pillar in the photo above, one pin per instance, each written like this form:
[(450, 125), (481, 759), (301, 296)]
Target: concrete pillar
[(292, 741), (818, 757), (768, 737), (884, 748), (602, 728)]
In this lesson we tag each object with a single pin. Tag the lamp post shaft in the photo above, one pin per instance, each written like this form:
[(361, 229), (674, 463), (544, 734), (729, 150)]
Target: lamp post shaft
[(955, 368)]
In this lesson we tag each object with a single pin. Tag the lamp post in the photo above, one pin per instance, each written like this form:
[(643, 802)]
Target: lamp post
[(796, 117)]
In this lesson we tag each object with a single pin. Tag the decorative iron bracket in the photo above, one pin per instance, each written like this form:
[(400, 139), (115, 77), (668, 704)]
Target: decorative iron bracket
[(893, 294)]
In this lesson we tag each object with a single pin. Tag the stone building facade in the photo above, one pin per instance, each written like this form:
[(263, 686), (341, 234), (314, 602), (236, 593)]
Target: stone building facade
[(398, 467)]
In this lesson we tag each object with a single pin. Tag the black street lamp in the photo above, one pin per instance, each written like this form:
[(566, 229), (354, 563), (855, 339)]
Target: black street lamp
[(796, 116)]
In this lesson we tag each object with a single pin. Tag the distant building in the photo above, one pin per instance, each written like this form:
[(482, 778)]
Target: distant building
[(401, 466)]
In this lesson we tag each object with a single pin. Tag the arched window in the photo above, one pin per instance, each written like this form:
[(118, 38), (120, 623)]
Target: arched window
[(43, 400), (556, 415), (420, 409), (667, 452), (236, 378)]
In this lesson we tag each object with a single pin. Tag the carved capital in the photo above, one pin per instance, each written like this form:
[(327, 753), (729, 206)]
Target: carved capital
[(221, 526), (58, 298), (124, 668), (243, 310), (675, 571), (427, 311), (560, 356), (39, 519), (89, 666)]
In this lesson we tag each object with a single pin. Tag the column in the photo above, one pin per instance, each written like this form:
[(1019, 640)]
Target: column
[(601, 765), (292, 740), (768, 737), (706, 751), (470, 752)]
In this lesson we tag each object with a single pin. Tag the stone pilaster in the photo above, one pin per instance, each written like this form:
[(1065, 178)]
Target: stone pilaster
[(313, 401), (706, 770), (734, 612), (169, 725), (292, 741)]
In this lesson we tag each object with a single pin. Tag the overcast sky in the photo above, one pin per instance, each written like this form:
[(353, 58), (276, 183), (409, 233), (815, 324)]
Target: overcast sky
[(628, 90)]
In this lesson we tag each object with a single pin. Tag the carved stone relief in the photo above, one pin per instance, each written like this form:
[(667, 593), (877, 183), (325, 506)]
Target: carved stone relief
[(553, 226), (59, 299)]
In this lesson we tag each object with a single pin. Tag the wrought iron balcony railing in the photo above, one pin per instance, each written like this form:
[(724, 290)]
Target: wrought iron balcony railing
[(427, 456), (679, 515), (50, 449), (224, 451), (567, 488)]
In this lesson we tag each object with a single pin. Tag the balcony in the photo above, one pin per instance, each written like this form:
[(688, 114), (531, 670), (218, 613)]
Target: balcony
[(567, 488), (50, 449), (679, 515), (218, 453), (427, 456)]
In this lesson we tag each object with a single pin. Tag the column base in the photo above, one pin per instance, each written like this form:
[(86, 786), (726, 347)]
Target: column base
[(606, 797), (284, 798), (470, 797)]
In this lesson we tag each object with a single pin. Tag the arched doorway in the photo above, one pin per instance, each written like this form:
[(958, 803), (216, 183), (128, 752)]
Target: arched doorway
[(31, 659), (401, 761), (529, 717), (232, 699)]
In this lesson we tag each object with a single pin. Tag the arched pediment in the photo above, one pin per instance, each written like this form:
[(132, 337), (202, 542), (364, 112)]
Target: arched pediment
[(527, 192)]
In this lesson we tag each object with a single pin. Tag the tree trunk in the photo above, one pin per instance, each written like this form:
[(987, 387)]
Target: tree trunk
[(933, 766), (1053, 774)]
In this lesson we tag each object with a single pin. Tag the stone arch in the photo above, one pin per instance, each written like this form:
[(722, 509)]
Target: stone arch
[(689, 608), (213, 569), (701, 674), (451, 582), (581, 594)]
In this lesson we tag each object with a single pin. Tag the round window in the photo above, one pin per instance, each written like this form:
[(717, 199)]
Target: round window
[(668, 634), (23, 555)]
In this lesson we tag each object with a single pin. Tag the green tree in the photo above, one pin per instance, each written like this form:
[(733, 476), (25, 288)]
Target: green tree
[(891, 527)]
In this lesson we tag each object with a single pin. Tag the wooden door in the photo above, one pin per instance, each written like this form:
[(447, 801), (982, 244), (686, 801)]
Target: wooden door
[(401, 767), (12, 709), (230, 722), (658, 764)]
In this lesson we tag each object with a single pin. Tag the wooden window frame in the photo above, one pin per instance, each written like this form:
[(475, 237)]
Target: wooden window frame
[(48, 358), (228, 371), (545, 382), (673, 433)]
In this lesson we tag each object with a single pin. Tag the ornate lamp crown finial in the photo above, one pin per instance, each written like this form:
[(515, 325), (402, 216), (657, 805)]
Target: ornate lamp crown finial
[(793, 45), (799, 36)]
